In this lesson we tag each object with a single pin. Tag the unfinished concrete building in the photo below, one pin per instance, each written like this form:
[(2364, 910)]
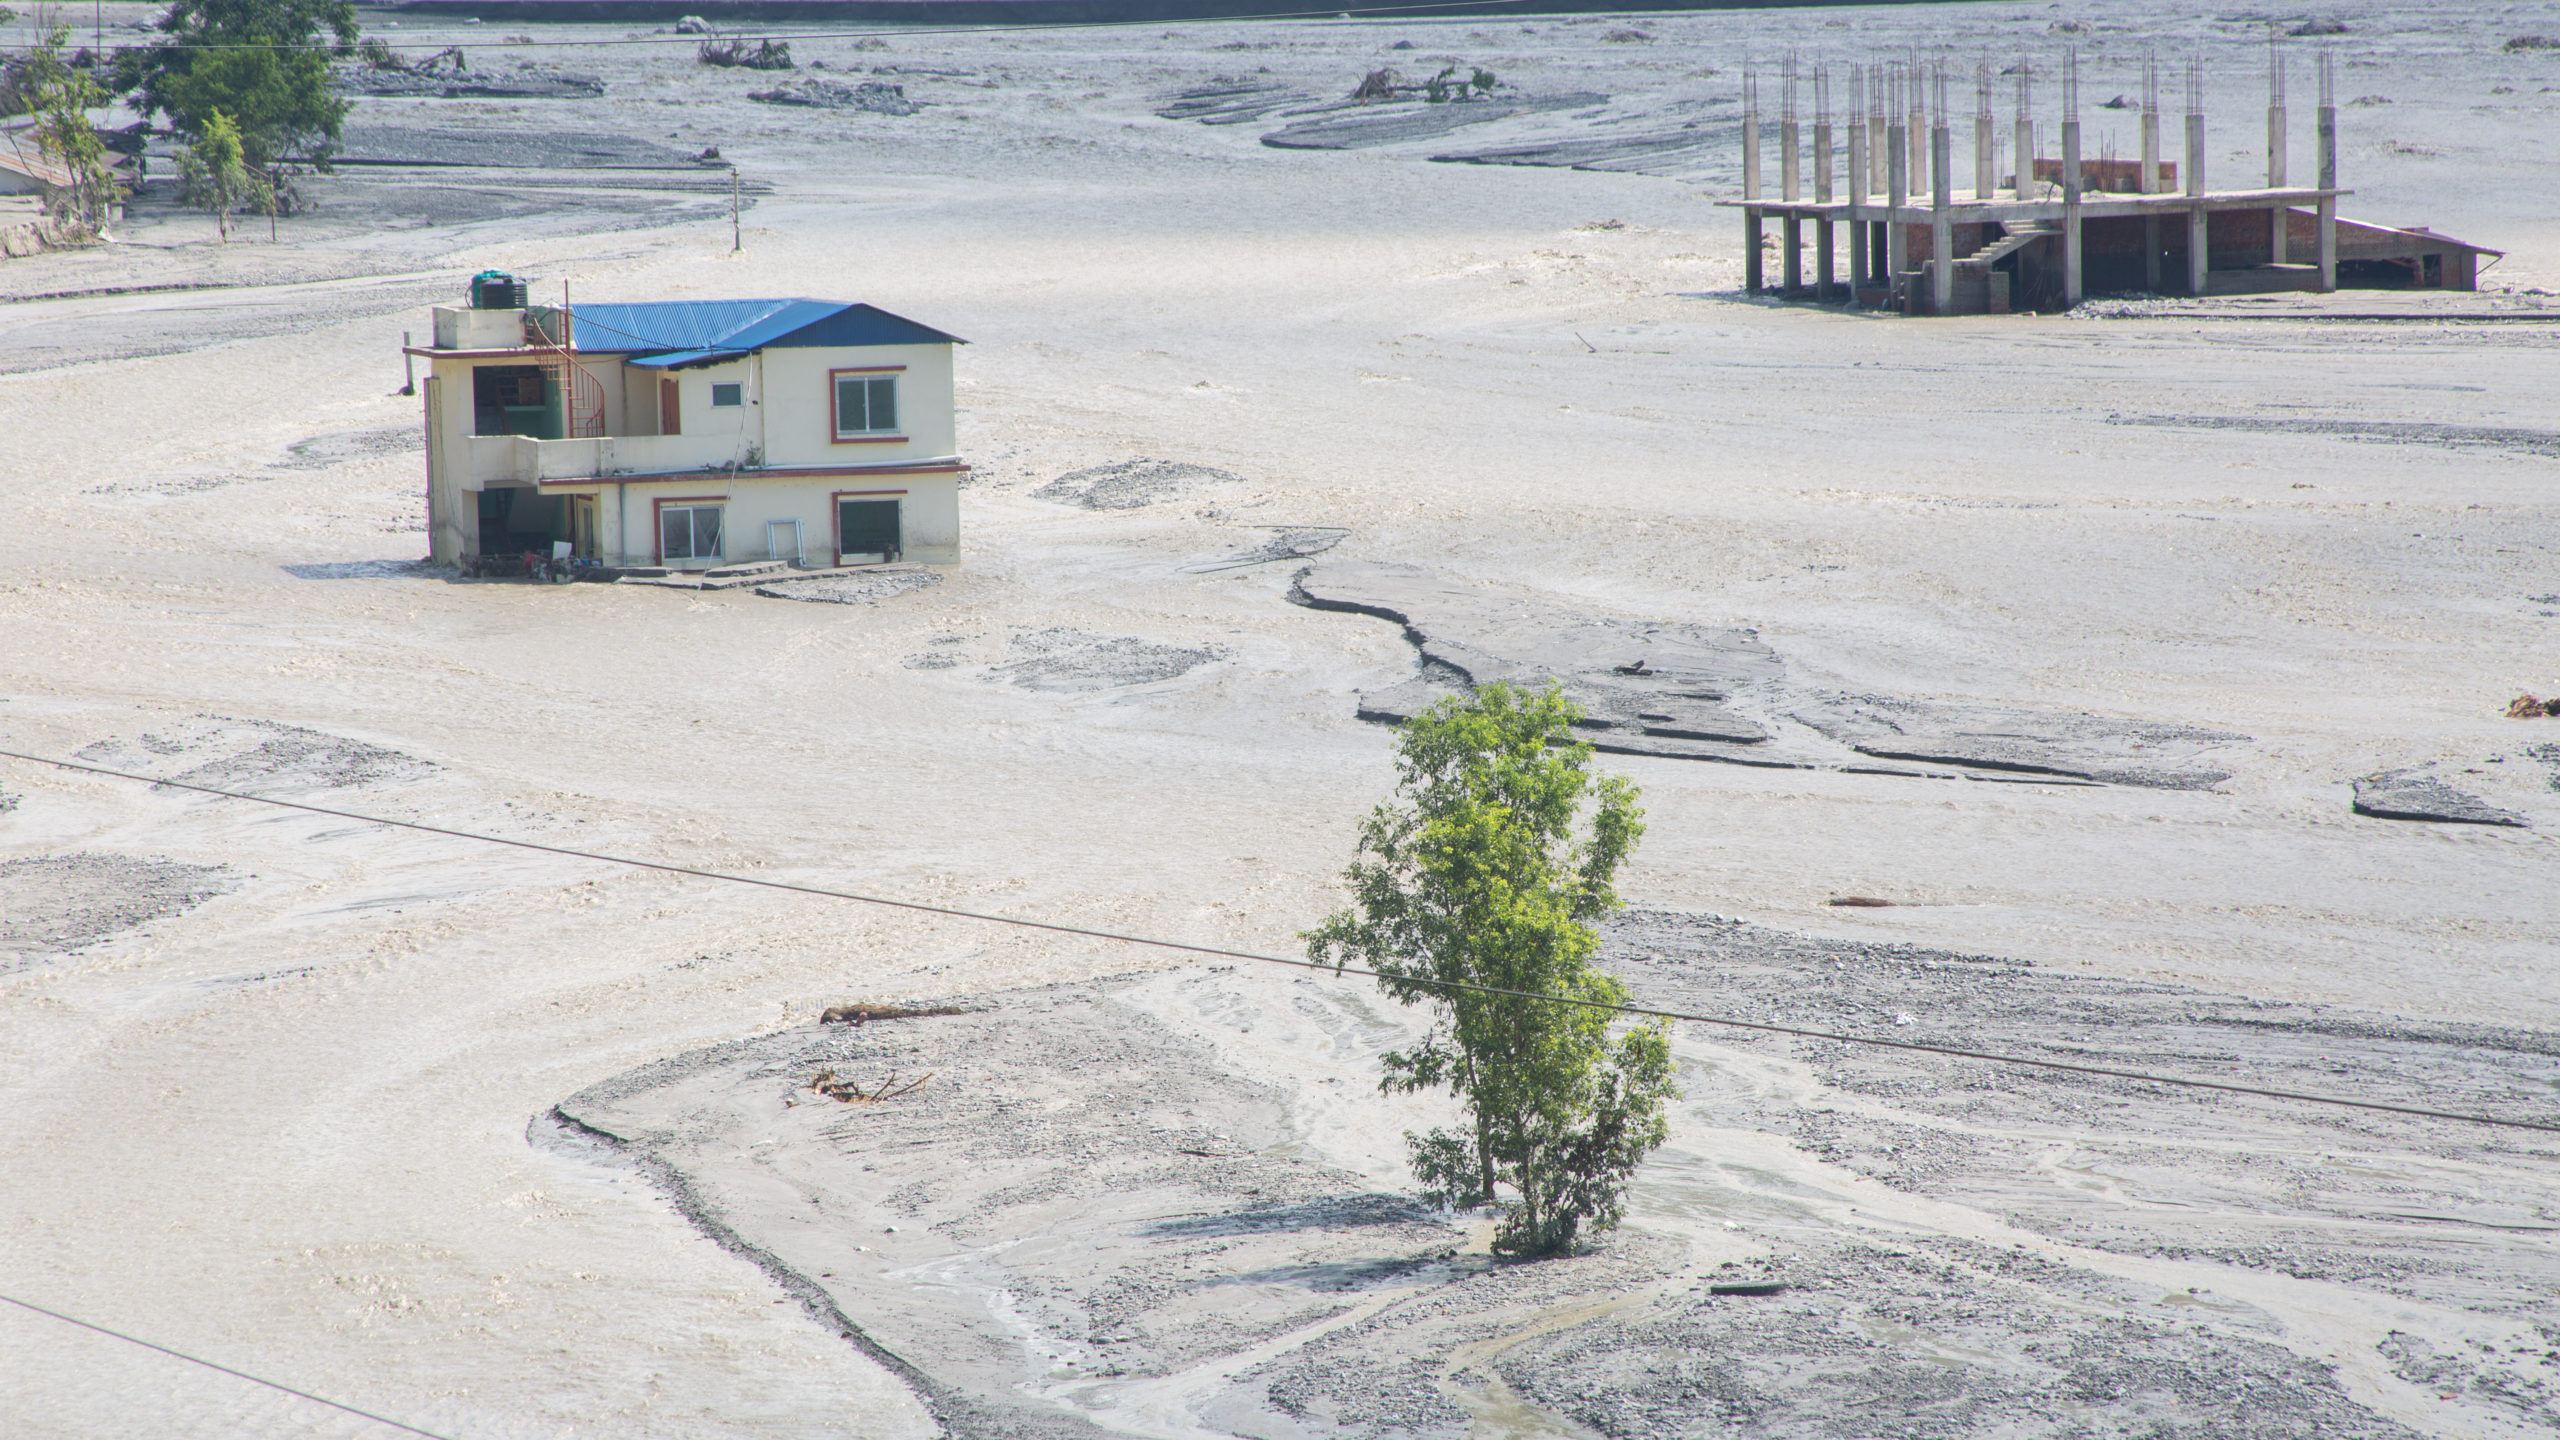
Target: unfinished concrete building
[(2052, 230)]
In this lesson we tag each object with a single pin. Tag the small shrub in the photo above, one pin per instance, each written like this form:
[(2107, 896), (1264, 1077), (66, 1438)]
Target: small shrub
[(2522, 43)]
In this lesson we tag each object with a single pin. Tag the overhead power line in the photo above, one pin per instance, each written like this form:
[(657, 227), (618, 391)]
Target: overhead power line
[(1223, 953), (900, 32), (225, 1369)]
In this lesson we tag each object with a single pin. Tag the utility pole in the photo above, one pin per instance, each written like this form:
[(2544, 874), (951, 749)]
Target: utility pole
[(737, 241)]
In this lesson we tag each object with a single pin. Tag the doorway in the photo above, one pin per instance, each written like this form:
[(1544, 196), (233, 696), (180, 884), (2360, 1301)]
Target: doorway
[(867, 531)]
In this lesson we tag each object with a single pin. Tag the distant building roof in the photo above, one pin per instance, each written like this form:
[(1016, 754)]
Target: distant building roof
[(670, 334), (20, 156)]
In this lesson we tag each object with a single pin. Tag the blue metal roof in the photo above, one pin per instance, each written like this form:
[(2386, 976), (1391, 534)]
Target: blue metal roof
[(673, 333)]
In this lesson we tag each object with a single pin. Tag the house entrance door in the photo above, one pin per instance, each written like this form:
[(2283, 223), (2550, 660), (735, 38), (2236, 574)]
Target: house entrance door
[(867, 531)]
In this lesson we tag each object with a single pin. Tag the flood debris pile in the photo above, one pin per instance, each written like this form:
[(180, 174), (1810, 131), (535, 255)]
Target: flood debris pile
[(1132, 484), (736, 54), (871, 97), (1700, 692), (447, 75)]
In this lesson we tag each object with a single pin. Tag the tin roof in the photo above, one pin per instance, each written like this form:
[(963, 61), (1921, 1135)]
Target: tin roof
[(674, 333)]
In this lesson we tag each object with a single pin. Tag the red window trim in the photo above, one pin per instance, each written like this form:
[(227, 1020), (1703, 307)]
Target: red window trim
[(836, 530), (835, 422), (657, 525)]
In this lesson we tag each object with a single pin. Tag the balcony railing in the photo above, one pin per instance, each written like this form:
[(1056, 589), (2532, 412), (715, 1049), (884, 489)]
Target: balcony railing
[(523, 460)]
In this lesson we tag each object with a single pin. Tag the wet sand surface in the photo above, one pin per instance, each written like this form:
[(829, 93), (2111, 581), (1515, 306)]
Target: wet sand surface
[(280, 1087)]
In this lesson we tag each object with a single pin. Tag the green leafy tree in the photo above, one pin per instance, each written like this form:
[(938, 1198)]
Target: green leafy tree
[(1487, 869), (60, 96), (214, 174), (262, 63)]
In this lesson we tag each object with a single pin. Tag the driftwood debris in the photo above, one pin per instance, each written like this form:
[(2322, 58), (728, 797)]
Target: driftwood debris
[(858, 1013), (851, 1092)]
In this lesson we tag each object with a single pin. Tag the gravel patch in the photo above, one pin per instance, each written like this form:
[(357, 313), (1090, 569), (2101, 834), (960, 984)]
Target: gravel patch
[(54, 904), (2412, 794), (341, 447), (1132, 484), (860, 587), (1062, 659), (260, 754)]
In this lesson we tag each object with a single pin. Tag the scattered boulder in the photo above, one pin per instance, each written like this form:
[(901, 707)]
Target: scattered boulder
[(2324, 25), (2532, 707), (2412, 794), (2522, 43), (1627, 37), (693, 25)]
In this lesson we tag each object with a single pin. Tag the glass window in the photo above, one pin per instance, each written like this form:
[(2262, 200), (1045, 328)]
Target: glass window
[(689, 532), (723, 396), (866, 404)]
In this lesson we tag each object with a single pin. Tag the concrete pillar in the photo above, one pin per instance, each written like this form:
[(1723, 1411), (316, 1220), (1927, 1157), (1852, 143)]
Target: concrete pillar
[(2151, 182), (1942, 260), (2278, 217), (2071, 287), (2328, 215), (1750, 196), (1791, 189), (2026, 166), (1858, 192), (1985, 173), (1876, 138), (1917, 128), (2198, 261), (1897, 192), (1822, 271)]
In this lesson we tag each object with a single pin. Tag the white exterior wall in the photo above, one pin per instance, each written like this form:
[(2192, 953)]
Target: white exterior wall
[(799, 405), (627, 514), (787, 421)]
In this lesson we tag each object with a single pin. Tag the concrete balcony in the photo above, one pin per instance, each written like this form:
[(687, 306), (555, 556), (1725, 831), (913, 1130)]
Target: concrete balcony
[(523, 460)]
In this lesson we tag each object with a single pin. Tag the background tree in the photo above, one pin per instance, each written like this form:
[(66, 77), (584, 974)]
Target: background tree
[(60, 96), (1486, 870), (214, 175), (262, 63)]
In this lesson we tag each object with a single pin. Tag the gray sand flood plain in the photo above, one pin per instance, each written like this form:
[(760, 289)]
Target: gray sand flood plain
[(1106, 1208)]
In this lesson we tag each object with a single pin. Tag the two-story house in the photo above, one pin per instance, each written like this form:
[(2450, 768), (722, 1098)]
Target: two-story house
[(689, 433)]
